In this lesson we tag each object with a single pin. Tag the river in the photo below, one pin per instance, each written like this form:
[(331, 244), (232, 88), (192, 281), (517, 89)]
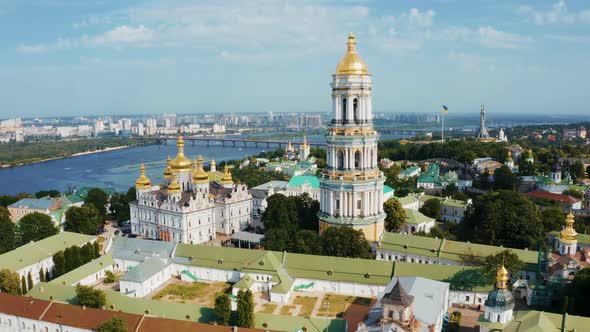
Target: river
[(117, 168)]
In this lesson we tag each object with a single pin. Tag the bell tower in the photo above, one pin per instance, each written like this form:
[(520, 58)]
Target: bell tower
[(352, 185)]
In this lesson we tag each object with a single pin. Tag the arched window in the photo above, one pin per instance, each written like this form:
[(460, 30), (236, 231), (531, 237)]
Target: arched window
[(357, 160), (355, 109), (344, 110), (340, 160)]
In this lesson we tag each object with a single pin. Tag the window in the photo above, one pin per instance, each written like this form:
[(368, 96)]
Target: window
[(355, 109), (344, 109), (467, 298), (340, 160)]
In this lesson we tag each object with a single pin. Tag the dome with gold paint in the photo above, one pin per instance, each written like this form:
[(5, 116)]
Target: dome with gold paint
[(168, 170), (226, 179), (142, 182), (199, 174), (351, 63), (174, 186), (569, 234), (181, 163)]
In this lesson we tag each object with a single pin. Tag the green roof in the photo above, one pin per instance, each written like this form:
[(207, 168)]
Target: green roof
[(73, 277), (416, 218), (74, 198), (245, 283), (387, 189), (454, 202), (34, 252), (450, 250), (299, 180), (463, 278), (366, 271), (146, 269), (182, 311), (408, 200), (409, 170), (83, 192), (538, 321)]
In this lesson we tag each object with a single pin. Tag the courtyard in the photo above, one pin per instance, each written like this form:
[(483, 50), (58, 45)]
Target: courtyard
[(202, 293)]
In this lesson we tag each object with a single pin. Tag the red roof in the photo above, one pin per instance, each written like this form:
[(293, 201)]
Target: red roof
[(554, 197)]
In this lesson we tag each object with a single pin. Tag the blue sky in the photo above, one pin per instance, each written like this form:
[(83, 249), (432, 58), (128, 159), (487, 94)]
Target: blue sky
[(89, 57)]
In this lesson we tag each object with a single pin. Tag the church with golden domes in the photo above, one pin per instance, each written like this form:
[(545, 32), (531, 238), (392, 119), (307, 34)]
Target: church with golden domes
[(352, 184), (192, 205)]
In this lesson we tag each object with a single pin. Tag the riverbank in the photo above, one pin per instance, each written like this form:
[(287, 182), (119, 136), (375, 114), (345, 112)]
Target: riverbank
[(19, 154), (64, 157)]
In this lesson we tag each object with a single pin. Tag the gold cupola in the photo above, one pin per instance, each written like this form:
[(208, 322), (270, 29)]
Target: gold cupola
[(502, 278), (174, 186), (226, 179), (168, 170), (142, 182), (212, 166), (351, 63), (181, 163), (199, 174), (568, 234)]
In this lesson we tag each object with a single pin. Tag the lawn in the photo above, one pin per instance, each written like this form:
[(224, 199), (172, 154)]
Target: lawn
[(286, 309), (192, 292), (335, 305), (307, 303), (268, 308)]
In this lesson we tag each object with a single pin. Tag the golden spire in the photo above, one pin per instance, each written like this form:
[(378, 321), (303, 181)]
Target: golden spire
[(304, 141), (226, 179), (568, 234), (168, 170), (351, 63), (502, 277), (212, 166), (142, 182), (174, 186), (181, 163), (199, 174)]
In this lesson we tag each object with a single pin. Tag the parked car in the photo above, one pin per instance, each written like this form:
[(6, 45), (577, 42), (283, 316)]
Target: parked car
[(117, 232)]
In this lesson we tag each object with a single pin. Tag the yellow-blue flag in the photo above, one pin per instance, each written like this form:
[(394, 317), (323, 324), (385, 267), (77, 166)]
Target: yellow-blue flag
[(445, 109)]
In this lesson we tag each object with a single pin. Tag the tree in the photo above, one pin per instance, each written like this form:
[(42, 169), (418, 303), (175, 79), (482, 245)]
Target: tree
[(396, 215), (109, 277), (23, 285), (115, 324), (75, 258), (29, 281), (59, 264), (588, 171), (9, 282), (505, 257), (505, 218), (580, 288), (432, 208), (84, 220), (306, 242), (222, 308), (90, 297), (96, 248), (245, 309), (574, 193), (450, 190), (345, 242), (577, 170), (86, 253), (69, 262), (553, 219), (483, 180), (45, 193), (119, 206), (307, 209), (41, 275), (504, 178), (36, 226), (99, 199), (7, 232)]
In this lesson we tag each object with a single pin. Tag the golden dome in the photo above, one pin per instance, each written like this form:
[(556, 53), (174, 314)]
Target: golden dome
[(181, 163), (226, 179), (502, 277), (351, 63), (142, 182), (199, 174), (174, 186), (568, 234), (212, 162), (168, 170)]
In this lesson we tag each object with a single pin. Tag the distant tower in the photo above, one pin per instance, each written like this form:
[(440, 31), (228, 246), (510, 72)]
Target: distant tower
[(142, 184), (500, 303), (509, 161), (483, 132), (226, 180), (304, 149), (351, 186), (568, 238), (555, 173)]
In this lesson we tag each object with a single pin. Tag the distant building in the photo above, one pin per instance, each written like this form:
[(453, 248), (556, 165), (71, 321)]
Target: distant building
[(26, 206), (565, 202), (417, 222), (409, 172)]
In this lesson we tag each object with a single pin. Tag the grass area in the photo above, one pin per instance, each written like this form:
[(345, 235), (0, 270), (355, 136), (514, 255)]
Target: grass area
[(286, 309), (335, 305), (268, 308), (185, 292), (307, 303)]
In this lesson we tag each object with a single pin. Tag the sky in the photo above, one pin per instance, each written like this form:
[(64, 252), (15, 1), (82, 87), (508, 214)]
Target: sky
[(105, 57)]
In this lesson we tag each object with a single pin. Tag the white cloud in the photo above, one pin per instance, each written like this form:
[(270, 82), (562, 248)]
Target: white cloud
[(424, 19), (558, 13), (121, 36), (492, 38)]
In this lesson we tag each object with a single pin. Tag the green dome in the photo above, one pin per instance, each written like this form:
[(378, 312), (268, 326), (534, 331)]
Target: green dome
[(500, 298)]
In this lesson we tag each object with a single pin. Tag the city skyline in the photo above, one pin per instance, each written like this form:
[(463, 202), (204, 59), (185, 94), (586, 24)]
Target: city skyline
[(137, 57)]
